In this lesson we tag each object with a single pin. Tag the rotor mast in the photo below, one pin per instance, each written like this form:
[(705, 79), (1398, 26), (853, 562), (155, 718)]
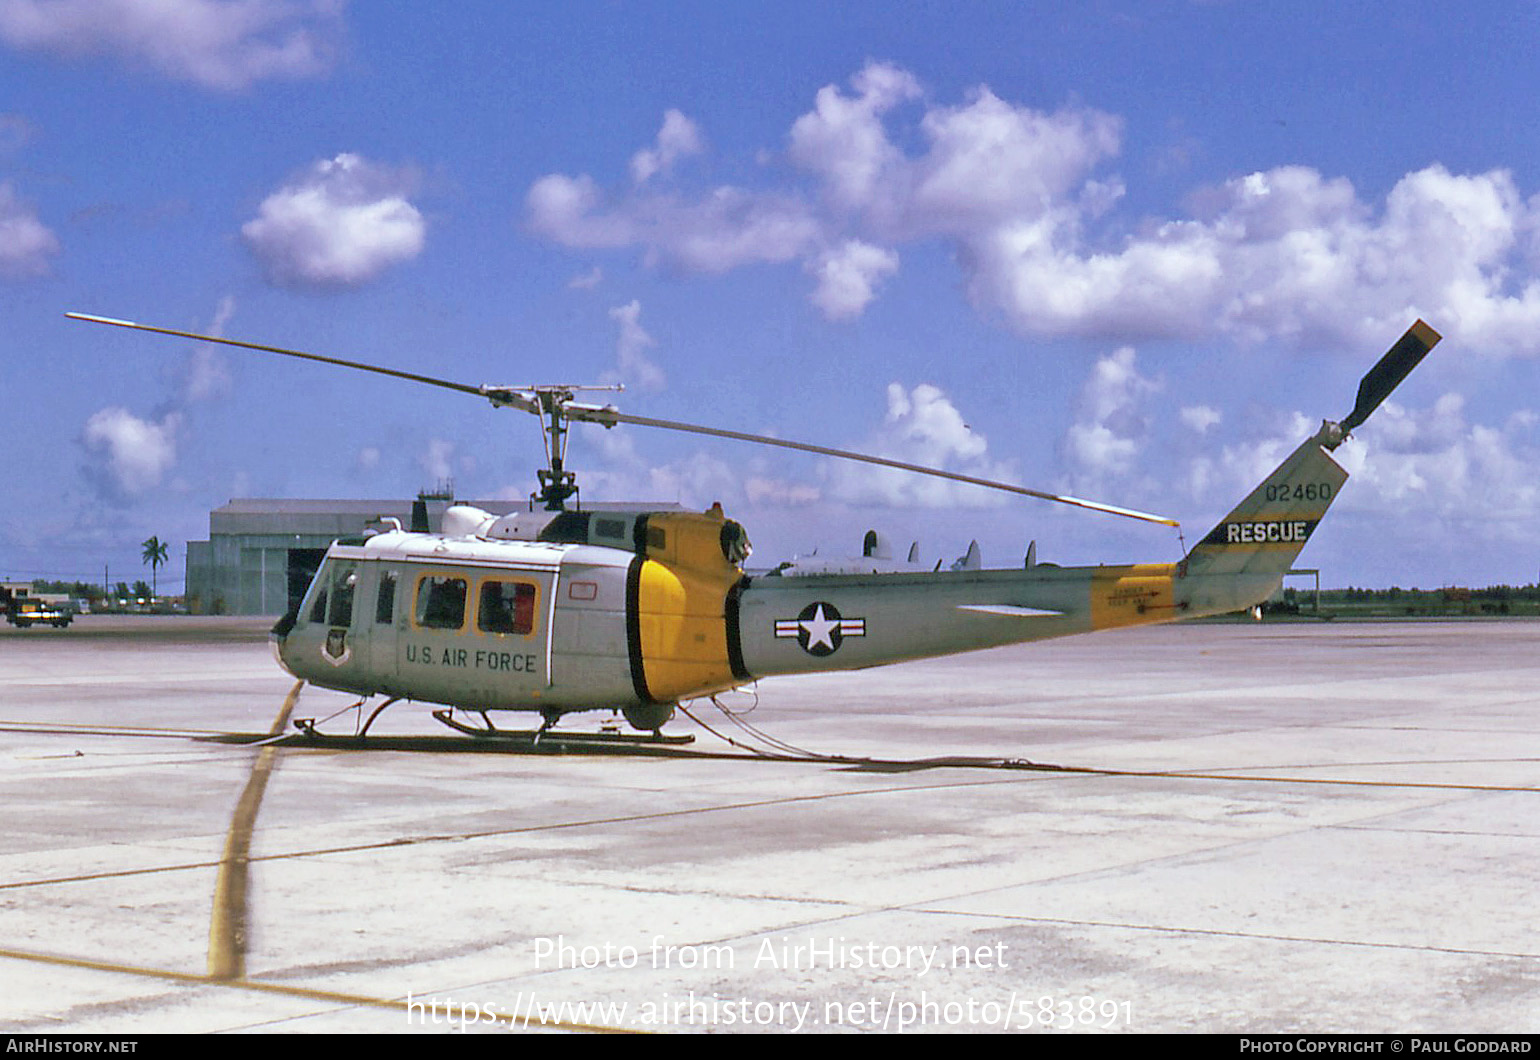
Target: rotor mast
[(551, 403), (556, 482)]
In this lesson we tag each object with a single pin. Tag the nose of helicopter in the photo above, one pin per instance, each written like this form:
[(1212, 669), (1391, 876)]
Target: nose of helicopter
[(278, 636)]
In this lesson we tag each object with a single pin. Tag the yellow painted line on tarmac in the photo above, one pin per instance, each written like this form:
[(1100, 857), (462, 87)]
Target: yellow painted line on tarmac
[(227, 926), (55, 728), (303, 992), (1266, 779)]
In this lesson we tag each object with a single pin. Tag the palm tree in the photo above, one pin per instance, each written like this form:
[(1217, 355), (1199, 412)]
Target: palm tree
[(154, 555)]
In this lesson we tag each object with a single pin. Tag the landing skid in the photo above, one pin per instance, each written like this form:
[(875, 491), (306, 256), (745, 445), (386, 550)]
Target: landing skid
[(546, 735), (308, 725)]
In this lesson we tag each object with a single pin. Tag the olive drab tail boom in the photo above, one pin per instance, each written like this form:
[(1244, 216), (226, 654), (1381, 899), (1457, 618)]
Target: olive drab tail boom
[(799, 624)]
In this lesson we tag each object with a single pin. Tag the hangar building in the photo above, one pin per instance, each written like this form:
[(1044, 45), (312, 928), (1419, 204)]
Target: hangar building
[(262, 552)]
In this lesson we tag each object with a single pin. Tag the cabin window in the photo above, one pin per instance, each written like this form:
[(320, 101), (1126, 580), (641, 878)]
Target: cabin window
[(318, 609), (506, 607), (441, 603), (342, 596), (385, 599), (615, 528)]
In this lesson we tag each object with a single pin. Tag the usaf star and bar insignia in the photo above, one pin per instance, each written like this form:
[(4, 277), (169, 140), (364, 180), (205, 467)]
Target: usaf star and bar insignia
[(819, 629)]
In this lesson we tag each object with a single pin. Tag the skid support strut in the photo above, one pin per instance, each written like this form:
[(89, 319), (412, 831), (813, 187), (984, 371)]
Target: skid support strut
[(547, 736)]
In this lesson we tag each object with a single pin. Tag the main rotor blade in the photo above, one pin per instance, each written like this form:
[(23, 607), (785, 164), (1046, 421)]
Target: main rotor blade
[(1385, 376), (610, 416), (412, 376)]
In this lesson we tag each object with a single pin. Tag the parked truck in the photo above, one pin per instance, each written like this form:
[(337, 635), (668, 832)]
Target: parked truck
[(27, 611)]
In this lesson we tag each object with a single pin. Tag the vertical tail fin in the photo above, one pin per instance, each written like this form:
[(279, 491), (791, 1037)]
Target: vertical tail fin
[(1266, 531)]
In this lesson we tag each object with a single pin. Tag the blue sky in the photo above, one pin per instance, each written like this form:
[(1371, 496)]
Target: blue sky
[(1132, 251)]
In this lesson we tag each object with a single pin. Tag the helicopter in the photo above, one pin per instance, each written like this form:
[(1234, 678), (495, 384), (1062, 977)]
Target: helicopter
[(556, 609)]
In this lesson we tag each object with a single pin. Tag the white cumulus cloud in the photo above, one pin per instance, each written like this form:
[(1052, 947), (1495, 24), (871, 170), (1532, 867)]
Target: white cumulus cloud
[(1288, 254), (679, 138), (921, 427), (723, 229), (844, 138), (221, 44), (1106, 435), (207, 373), (696, 479), (848, 277), (586, 281), (1023, 200), (26, 244), (366, 460), (1420, 472), (761, 490), (630, 348), (128, 456), (1200, 417), (438, 459), (1434, 460), (340, 224)]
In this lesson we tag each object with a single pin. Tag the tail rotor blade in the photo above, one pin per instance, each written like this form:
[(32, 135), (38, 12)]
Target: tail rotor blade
[(1385, 376)]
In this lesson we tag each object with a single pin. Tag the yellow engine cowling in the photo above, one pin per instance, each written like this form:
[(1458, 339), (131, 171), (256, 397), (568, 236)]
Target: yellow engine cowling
[(680, 589)]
